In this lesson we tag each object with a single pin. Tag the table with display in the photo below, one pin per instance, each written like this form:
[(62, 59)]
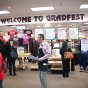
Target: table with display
[(23, 65), (55, 61)]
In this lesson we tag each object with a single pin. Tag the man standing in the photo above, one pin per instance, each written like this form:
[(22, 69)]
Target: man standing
[(43, 55)]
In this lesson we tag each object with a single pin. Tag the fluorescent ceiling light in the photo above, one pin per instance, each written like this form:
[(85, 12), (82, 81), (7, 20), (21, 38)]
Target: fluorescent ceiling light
[(4, 12), (85, 23), (83, 29), (85, 6), (42, 8)]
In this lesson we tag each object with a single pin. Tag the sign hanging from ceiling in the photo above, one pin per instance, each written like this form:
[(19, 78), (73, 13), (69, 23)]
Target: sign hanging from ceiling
[(84, 45), (42, 19), (50, 31), (38, 31), (73, 33), (62, 33)]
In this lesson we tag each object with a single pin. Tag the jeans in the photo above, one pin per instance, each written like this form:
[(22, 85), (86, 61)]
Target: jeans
[(43, 81), (0, 83)]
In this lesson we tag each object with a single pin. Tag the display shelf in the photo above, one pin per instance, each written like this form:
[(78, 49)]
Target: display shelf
[(34, 66), (57, 58), (54, 68), (54, 61), (24, 54), (23, 65)]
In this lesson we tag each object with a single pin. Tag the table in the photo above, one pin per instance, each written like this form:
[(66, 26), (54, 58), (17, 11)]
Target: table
[(21, 62)]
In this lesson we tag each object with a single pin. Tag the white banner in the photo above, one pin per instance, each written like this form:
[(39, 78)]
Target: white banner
[(49, 18)]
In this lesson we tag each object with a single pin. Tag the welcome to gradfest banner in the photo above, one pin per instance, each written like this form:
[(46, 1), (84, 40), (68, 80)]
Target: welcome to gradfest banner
[(43, 19)]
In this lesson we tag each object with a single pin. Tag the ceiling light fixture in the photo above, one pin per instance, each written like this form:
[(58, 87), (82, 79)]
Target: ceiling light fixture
[(4, 12), (42, 8), (85, 23), (85, 6), (83, 29), (9, 7)]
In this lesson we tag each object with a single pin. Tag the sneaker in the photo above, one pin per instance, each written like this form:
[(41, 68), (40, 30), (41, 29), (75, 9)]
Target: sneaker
[(10, 74), (67, 75), (14, 74)]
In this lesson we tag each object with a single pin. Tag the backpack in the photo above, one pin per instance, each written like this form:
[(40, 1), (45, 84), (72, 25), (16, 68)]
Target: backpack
[(13, 53)]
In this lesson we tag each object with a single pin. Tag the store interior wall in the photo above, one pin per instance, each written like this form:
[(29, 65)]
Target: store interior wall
[(83, 30)]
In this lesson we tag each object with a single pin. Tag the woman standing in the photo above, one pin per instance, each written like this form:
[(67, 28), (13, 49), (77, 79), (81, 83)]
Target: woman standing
[(65, 64), (11, 60), (1, 71)]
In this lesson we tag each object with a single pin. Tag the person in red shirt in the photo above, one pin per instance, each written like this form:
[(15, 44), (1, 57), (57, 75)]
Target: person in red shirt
[(1, 71)]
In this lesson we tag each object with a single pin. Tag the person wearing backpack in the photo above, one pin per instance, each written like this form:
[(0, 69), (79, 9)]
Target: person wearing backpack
[(10, 50), (1, 71)]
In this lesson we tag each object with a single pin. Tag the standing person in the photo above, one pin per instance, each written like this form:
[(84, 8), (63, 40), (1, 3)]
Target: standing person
[(43, 55), (2, 49), (64, 62), (1, 71), (11, 60)]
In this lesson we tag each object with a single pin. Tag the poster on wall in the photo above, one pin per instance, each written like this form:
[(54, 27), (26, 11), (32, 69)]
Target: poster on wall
[(38, 31), (84, 45), (50, 33), (61, 33), (73, 33)]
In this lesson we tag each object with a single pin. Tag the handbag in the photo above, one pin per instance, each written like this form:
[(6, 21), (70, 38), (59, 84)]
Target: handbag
[(4, 66), (68, 55)]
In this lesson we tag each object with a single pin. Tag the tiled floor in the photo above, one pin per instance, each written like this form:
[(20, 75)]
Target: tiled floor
[(30, 79)]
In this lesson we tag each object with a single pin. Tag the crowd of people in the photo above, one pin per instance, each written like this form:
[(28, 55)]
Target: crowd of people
[(44, 52), (5, 52)]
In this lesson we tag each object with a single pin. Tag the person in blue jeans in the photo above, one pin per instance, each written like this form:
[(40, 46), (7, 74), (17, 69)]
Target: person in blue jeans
[(44, 52)]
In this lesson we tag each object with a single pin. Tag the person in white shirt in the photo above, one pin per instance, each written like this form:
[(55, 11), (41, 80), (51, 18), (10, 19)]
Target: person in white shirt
[(43, 55)]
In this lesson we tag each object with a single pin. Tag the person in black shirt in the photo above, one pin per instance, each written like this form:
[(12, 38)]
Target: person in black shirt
[(11, 61), (44, 52), (64, 62)]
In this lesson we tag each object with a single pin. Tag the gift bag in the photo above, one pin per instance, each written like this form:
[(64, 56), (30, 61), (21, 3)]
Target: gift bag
[(4, 66)]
